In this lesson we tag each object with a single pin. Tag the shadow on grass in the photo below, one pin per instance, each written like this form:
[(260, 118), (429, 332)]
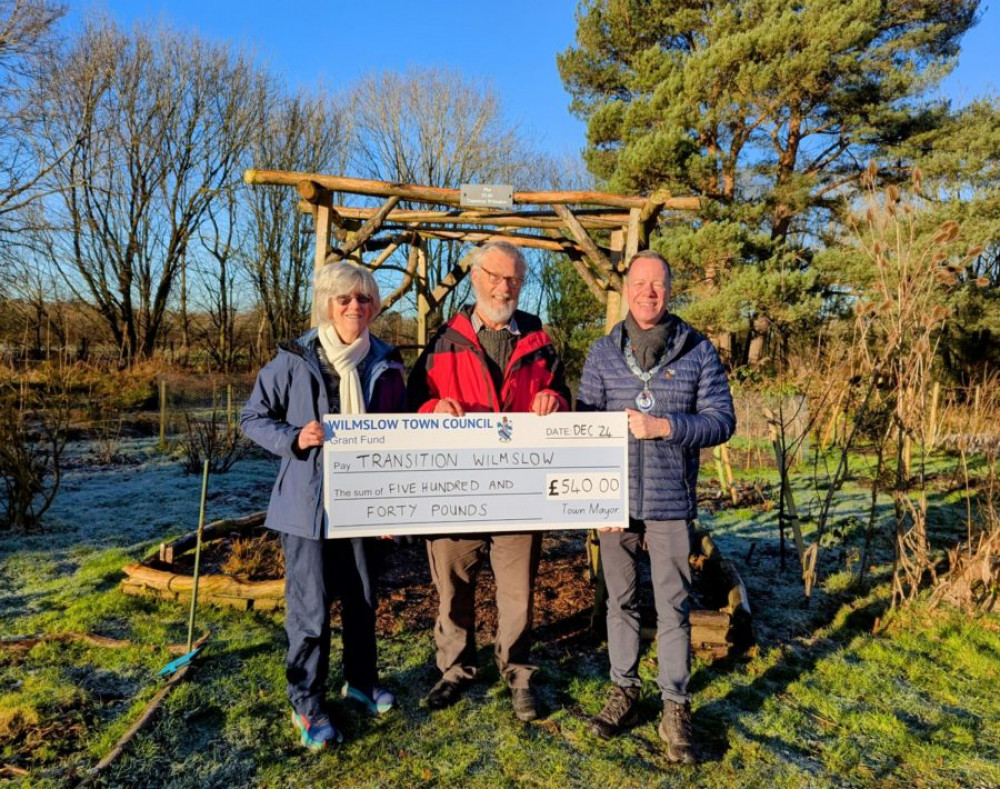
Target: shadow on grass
[(715, 719)]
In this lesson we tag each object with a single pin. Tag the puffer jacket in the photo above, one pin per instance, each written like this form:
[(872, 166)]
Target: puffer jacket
[(691, 391), (289, 393), (454, 365)]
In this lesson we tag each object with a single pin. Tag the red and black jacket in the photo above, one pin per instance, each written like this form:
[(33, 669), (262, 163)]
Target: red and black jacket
[(454, 365)]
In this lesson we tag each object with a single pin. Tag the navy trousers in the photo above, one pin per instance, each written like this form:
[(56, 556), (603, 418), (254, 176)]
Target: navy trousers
[(315, 572)]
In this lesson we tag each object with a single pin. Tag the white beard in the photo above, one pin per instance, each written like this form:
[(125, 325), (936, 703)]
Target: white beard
[(494, 314)]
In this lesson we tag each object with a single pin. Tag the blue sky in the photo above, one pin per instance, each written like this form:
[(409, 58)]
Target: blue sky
[(512, 45)]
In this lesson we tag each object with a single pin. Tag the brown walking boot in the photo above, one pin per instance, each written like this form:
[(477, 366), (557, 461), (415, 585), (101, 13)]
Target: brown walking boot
[(620, 711), (675, 731)]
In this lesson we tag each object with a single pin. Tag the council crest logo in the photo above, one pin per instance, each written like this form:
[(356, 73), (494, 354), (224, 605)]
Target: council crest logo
[(505, 430)]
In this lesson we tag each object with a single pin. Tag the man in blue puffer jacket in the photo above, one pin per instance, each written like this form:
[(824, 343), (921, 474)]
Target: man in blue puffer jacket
[(670, 381)]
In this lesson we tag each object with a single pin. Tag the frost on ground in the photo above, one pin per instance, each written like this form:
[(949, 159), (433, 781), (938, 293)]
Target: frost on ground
[(141, 499)]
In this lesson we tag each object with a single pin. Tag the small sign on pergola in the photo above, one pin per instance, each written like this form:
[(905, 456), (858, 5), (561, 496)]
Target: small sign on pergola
[(487, 196), (475, 214)]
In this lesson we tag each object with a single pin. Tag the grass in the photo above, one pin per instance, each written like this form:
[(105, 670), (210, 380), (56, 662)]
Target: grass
[(820, 701)]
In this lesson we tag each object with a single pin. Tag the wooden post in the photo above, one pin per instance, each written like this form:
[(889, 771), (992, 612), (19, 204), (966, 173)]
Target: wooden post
[(322, 244), (423, 307), (719, 470), (786, 490), (163, 414), (631, 235), (932, 422), (616, 307), (728, 466)]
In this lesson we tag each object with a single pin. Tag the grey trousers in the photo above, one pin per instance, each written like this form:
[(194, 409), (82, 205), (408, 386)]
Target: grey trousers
[(669, 544), (455, 563)]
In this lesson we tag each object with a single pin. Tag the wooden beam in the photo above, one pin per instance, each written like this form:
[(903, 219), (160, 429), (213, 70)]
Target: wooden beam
[(616, 307), (368, 229), (631, 236), (384, 255), (594, 283), (398, 293), (419, 252), (322, 243), (440, 196), (587, 244), (312, 192), (532, 242), (598, 218), (450, 282)]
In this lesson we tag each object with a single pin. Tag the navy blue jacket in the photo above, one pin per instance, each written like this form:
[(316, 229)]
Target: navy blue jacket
[(290, 393), (691, 391)]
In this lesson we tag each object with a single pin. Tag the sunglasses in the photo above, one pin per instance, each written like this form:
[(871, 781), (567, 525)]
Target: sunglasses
[(360, 298)]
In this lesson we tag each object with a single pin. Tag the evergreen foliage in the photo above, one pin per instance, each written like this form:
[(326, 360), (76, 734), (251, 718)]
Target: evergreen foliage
[(767, 109)]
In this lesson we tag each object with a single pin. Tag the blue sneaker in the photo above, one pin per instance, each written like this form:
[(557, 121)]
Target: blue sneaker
[(316, 731), (378, 702)]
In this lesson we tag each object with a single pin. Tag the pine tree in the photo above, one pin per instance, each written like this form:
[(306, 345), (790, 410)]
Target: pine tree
[(768, 109)]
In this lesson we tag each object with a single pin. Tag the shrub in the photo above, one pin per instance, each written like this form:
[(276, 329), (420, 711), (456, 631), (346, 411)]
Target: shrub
[(217, 440), (33, 422)]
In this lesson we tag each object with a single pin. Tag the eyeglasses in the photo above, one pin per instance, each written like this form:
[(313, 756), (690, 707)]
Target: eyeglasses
[(360, 298), (495, 279)]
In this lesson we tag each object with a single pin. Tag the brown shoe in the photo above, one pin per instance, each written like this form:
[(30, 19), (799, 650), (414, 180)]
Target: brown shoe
[(620, 711), (675, 731)]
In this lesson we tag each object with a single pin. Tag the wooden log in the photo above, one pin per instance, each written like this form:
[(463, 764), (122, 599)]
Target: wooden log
[(650, 213), (712, 652), (312, 192), (597, 286), (213, 531), (711, 635), (932, 426), (368, 229), (533, 242), (597, 218), (710, 619), (449, 283), (210, 585), (383, 256), (728, 467), (631, 236), (404, 286), (321, 247), (440, 196), (597, 259), (419, 253)]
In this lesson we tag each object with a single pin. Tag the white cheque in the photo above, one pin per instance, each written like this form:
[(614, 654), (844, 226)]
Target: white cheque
[(437, 474)]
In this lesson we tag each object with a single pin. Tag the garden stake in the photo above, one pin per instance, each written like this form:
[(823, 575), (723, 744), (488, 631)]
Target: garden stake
[(183, 660)]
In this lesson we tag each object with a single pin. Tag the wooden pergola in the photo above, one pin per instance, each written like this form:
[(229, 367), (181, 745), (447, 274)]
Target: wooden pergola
[(566, 219)]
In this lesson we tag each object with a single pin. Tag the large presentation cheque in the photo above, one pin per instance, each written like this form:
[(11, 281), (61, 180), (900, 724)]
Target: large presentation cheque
[(435, 474)]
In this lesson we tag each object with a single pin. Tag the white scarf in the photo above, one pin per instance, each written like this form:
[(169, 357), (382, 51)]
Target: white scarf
[(345, 360)]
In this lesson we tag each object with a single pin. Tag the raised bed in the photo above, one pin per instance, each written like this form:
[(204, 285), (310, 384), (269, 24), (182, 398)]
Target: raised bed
[(160, 576), (720, 615)]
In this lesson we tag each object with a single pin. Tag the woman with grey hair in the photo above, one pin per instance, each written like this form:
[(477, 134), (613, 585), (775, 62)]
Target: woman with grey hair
[(337, 368)]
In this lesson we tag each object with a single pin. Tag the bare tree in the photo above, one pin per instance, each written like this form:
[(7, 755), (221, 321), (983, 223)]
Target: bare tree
[(157, 121), (297, 133), (439, 128), (26, 40)]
